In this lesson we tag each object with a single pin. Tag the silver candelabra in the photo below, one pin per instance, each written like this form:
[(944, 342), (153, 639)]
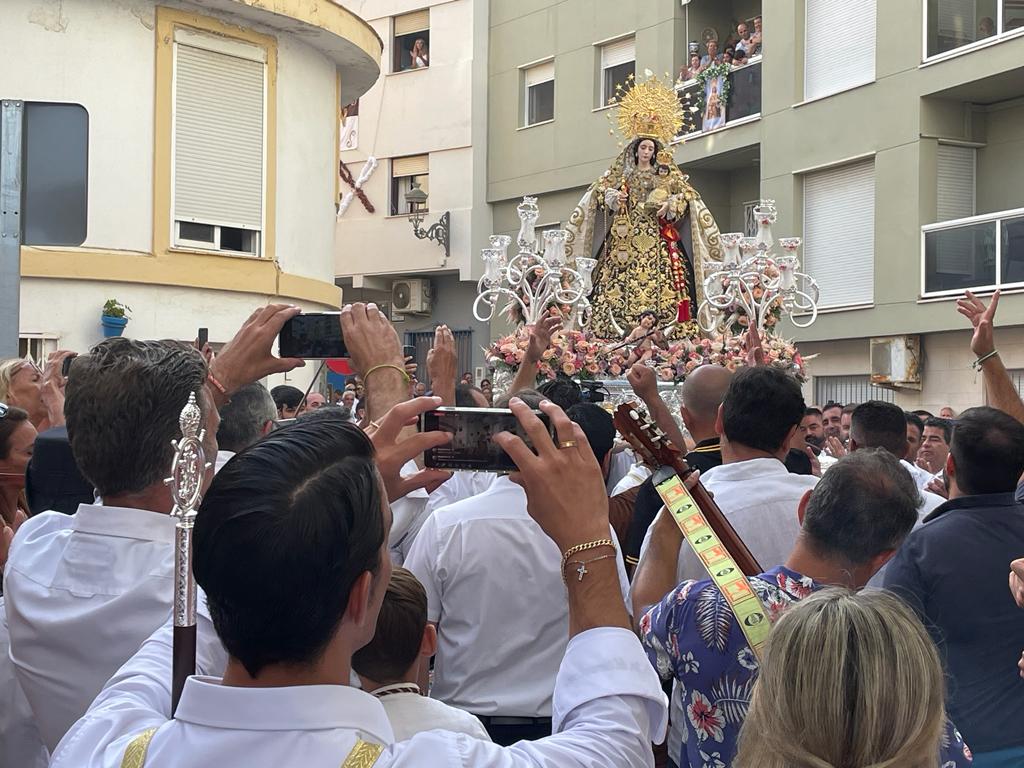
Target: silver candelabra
[(537, 277), (752, 280)]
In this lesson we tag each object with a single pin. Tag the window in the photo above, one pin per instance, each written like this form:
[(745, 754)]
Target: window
[(954, 251), (539, 92), (218, 143), (1017, 377), (410, 43), (37, 347), (839, 233), (952, 24), (618, 63), (423, 342), (849, 389), (404, 172), (750, 218), (839, 49), (984, 253)]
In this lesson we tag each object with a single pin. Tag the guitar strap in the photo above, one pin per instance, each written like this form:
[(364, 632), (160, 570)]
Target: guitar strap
[(743, 601)]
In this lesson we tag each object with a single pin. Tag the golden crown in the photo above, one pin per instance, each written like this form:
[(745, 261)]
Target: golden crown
[(649, 110)]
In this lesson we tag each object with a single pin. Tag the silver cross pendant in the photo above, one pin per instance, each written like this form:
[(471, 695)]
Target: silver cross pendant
[(582, 571)]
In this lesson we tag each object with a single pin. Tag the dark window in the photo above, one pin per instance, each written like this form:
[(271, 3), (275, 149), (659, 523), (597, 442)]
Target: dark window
[(541, 102), (617, 75), (403, 51)]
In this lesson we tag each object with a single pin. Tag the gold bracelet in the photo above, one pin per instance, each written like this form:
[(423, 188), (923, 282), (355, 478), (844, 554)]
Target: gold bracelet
[(582, 570), (584, 547), (398, 368)]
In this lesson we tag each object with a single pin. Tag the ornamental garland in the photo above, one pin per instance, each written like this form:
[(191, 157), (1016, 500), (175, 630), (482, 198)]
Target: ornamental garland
[(714, 71)]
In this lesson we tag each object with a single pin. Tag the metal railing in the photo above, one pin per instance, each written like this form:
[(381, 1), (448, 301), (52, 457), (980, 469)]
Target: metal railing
[(980, 253), (744, 97)]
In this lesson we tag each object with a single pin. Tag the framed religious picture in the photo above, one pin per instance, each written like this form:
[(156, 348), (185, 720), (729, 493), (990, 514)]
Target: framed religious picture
[(714, 106)]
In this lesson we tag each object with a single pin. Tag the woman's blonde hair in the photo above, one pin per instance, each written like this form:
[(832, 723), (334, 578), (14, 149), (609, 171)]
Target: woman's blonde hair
[(849, 681), (8, 368)]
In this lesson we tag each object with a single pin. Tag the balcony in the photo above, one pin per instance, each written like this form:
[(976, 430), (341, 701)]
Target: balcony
[(980, 253), (952, 27), (744, 103)]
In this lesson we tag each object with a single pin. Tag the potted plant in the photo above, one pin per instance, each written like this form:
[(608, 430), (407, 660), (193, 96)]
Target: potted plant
[(114, 318)]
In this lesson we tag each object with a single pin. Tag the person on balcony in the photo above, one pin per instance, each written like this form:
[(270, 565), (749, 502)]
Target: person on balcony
[(712, 56)]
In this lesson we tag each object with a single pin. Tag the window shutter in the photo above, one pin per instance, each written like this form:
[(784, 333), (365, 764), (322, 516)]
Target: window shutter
[(541, 73), (417, 21), (417, 165), (839, 233), (619, 52), (839, 45), (218, 138), (955, 182)]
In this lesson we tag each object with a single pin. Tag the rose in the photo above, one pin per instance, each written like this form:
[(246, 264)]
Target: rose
[(615, 369), (568, 369), (547, 354), (593, 368)]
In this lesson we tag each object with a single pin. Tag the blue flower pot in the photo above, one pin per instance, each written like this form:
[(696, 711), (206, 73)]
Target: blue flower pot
[(113, 326)]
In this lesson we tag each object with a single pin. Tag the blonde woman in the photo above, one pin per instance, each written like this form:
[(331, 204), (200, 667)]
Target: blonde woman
[(850, 680), (41, 393), (419, 56)]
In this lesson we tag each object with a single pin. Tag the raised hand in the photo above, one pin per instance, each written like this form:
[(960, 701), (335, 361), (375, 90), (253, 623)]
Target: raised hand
[(540, 337), (51, 390), (983, 321), (392, 454), (752, 347), (443, 364), (370, 337), (644, 381), (7, 535), (249, 356)]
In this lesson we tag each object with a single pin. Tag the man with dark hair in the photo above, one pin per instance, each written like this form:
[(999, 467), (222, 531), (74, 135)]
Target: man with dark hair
[(248, 417), (502, 677), (844, 422), (288, 400), (290, 551), (851, 523), (915, 432), (812, 427), (469, 396), (395, 665), (83, 591), (952, 570), (832, 415), (935, 444), (562, 391)]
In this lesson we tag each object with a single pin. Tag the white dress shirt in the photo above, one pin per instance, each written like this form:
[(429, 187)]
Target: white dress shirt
[(619, 466), (223, 457), (636, 476), (83, 592), (407, 515), (494, 588), (20, 743), (921, 476), (608, 707), (410, 712)]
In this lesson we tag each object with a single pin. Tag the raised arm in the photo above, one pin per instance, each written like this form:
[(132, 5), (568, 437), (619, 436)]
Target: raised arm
[(540, 340), (443, 364), (376, 355), (1001, 392), (645, 384)]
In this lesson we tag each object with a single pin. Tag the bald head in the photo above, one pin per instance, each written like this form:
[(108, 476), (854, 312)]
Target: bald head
[(702, 394)]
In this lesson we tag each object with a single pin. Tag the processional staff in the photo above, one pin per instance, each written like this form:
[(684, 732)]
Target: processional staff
[(186, 483)]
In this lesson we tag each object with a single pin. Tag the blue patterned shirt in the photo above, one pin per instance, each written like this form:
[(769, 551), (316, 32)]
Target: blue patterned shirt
[(692, 636)]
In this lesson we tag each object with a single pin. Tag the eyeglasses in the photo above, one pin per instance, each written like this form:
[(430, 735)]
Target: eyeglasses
[(4, 410)]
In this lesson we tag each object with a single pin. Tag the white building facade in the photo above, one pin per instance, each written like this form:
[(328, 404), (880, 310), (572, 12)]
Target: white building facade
[(212, 148)]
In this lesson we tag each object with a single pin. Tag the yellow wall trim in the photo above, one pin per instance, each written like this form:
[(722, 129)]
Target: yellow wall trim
[(180, 269), (167, 20)]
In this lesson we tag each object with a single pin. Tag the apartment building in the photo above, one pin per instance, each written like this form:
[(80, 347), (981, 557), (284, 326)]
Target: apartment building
[(887, 133), (211, 147), (424, 124)]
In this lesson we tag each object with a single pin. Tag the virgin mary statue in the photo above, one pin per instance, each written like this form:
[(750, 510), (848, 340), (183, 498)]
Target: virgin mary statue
[(647, 227)]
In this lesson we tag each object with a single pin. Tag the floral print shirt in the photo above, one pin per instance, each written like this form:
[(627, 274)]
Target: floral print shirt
[(692, 635)]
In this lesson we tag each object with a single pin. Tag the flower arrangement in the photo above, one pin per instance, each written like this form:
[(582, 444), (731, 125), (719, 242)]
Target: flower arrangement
[(712, 72), (737, 321), (579, 354)]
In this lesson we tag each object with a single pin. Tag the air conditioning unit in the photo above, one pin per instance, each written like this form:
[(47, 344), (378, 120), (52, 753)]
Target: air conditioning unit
[(411, 297), (896, 362)]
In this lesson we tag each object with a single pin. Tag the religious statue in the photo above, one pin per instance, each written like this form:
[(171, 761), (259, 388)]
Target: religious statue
[(647, 227)]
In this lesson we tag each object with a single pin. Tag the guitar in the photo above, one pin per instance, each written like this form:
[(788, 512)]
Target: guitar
[(665, 459)]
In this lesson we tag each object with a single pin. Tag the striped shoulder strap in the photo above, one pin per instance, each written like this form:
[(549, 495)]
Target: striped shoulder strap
[(363, 755), (135, 754)]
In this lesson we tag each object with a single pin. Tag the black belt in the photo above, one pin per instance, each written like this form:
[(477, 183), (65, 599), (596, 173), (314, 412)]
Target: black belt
[(500, 720)]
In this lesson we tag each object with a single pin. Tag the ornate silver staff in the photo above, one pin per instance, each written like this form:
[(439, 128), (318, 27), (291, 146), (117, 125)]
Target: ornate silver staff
[(186, 482)]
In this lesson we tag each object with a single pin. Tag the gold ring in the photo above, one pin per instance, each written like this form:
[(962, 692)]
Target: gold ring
[(374, 424), (567, 444)]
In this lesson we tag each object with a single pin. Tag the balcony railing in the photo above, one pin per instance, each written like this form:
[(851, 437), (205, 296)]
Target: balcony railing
[(744, 98), (980, 253), (952, 26)]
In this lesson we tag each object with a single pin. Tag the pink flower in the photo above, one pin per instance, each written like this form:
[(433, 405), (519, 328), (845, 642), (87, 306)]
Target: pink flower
[(568, 369), (615, 369), (592, 368), (705, 718)]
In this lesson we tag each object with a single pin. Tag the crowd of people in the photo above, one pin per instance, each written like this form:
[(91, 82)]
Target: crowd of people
[(740, 47), (359, 609)]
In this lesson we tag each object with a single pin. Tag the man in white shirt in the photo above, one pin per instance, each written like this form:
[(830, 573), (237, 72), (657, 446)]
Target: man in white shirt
[(291, 608), (248, 417), (394, 667), (486, 565), (84, 591)]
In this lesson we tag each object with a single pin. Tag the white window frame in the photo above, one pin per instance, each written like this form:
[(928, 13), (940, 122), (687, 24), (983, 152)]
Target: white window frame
[(228, 47), (392, 178), (525, 70), (48, 342), (393, 69), (986, 42), (601, 46)]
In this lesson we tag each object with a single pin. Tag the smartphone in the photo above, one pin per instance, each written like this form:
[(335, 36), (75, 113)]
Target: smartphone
[(408, 350), (313, 336), (472, 447), (204, 337), (66, 365)]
